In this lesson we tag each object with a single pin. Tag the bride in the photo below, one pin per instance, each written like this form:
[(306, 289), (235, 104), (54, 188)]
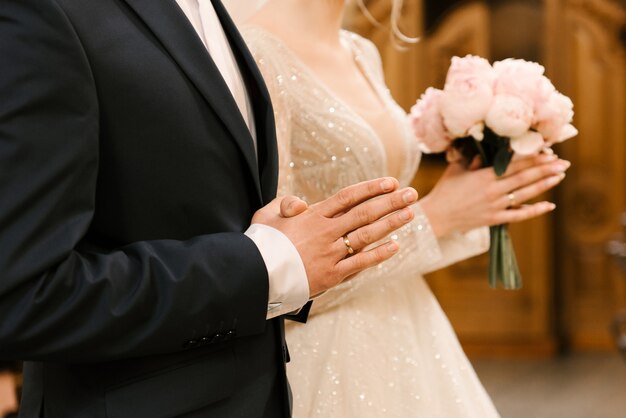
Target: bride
[(378, 345)]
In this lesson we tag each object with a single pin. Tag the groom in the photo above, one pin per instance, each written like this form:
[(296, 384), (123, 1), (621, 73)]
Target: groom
[(144, 266)]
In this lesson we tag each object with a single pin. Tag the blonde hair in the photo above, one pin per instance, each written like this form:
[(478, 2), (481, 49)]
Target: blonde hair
[(396, 12)]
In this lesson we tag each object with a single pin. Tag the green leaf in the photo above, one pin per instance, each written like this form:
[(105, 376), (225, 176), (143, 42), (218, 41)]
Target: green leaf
[(502, 159)]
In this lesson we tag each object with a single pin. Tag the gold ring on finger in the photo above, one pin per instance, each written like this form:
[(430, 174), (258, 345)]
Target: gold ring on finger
[(349, 248), (511, 197)]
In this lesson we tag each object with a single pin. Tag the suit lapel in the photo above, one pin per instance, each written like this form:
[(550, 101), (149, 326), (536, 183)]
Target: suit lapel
[(172, 28), (261, 104)]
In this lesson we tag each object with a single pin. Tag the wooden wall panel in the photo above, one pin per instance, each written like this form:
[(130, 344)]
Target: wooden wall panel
[(588, 62)]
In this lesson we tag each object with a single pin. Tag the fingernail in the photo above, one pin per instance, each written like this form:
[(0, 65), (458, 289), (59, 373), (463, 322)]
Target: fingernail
[(548, 157), (392, 247), (551, 206), (561, 166), (386, 185), (405, 214), (408, 196), (554, 180)]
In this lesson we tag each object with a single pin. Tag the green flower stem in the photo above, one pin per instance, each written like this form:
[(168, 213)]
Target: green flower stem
[(495, 151), (494, 256), (503, 266)]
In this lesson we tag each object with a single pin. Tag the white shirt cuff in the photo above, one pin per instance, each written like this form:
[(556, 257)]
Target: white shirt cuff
[(288, 283)]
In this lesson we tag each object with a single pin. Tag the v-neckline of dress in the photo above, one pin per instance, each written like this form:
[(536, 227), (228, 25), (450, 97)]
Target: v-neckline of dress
[(310, 73), (357, 54)]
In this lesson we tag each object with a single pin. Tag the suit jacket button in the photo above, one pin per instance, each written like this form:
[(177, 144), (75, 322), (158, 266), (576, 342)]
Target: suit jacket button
[(190, 344)]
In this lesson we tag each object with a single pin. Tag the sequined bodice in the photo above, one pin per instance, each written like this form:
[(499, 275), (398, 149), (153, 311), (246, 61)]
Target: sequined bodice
[(324, 144)]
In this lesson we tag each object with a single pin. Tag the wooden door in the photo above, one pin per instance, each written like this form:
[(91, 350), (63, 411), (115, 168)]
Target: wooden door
[(587, 57)]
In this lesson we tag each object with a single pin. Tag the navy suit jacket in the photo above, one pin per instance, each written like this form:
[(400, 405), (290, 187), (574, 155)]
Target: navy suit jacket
[(127, 179)]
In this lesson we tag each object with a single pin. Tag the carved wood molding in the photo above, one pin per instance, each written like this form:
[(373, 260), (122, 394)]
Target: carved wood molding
[(588, 62), (596, 80), (609, 13)]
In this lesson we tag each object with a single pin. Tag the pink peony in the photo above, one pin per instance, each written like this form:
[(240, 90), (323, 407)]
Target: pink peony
[(468, 94), (553, 118), (427, 122), (509, 116), (470, 65), (528, 143), (524, 79), (513, 66), (566, 132)]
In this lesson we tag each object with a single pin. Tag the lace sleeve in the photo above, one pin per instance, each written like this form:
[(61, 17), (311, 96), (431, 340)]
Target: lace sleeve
[(460, 246)]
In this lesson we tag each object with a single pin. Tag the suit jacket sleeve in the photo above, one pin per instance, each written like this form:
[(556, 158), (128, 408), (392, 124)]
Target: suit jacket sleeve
[(60, 300), (7, 366)]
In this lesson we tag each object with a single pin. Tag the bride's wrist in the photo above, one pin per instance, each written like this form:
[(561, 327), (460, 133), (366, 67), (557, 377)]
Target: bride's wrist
[(439, 224)]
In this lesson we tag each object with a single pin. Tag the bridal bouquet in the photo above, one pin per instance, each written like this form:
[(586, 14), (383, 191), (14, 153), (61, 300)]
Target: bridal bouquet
[(494, 111)]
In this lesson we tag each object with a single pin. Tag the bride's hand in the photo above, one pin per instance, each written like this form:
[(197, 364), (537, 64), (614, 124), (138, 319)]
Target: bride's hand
[(467, 198)]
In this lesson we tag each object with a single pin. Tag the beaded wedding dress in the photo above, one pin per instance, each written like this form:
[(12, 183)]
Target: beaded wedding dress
[(378, 345)]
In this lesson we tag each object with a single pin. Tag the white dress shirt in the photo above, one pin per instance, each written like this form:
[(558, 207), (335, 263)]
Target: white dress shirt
[(288, 284)]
